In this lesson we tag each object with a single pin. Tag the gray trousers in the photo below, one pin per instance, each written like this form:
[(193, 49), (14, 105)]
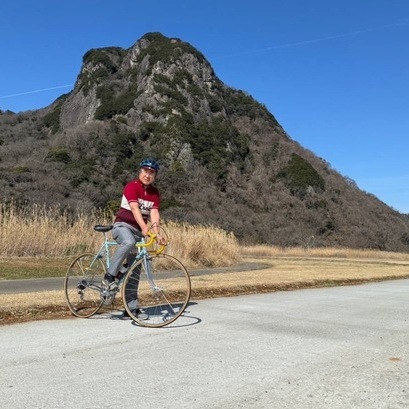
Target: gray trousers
[(126, 236)]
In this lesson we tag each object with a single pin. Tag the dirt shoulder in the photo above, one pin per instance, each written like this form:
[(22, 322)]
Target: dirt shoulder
[(251, 277)]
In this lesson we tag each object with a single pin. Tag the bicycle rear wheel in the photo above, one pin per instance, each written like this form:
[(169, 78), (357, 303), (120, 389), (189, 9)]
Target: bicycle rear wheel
[(82, 285), (156, 292)]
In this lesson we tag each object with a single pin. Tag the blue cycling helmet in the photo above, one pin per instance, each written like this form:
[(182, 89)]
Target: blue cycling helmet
[(149, 163)]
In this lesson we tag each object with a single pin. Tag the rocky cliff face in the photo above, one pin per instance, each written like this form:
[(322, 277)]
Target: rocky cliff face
[(225, 159), (147, 76)]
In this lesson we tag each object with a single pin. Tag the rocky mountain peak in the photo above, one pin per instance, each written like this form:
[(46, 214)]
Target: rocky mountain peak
[(114, 81)]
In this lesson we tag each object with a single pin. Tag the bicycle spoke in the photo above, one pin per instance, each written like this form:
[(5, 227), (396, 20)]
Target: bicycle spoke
[(157, 291)]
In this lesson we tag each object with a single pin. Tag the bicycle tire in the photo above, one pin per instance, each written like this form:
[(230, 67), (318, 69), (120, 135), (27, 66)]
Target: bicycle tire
[(163, 303), (82, 285)]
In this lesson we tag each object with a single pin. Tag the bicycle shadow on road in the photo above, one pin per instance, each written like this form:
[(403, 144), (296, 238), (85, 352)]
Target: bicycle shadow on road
[(185, 320)]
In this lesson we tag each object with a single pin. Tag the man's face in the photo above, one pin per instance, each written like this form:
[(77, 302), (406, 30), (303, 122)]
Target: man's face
[(147, 175)]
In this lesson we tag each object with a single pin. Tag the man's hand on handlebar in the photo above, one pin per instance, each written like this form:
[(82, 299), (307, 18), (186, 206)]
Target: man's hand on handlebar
[(160, 240)]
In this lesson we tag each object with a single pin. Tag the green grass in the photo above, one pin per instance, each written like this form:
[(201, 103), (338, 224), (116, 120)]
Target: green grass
[(24, 268)]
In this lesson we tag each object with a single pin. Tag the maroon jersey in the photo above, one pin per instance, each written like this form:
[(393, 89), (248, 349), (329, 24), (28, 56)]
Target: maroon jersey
[(146, 196)]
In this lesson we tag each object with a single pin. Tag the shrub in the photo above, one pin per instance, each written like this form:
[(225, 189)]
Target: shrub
[(80, 171), (167, 203), (112, 104), (299, 174), (59, 155), (215, 104), (217, 145), (21, 169), (270, 154), (162, 48), (104, 56), (239, 103), (149, 128), (105, 62), (171, 93), (405, 238), (52, 120)]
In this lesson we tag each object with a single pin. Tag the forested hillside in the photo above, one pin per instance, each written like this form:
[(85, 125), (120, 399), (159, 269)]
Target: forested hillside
[(225, 160)]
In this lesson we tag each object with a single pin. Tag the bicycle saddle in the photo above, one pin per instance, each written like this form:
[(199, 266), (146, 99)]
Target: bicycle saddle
[(102, 228)]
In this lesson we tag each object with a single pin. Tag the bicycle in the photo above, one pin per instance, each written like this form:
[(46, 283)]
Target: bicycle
[(155, 289)]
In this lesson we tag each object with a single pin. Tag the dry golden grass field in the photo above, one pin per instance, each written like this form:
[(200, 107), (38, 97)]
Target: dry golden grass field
[(39, 242), (271, 270)]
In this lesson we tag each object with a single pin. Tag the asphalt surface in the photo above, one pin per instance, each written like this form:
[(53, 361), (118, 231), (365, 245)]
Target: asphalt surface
[(341, 347), (31, 285), (57, 283)]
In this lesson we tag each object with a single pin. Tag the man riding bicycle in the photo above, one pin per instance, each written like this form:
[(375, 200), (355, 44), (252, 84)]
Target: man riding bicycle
[(140, 203)]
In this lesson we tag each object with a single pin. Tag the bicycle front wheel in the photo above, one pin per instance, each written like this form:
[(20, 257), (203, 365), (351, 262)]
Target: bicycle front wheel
[(82, 285), (157, 290)]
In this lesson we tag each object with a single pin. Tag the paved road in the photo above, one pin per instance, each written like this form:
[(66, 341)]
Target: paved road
[(31, 285), (57, 283), (344, 347)]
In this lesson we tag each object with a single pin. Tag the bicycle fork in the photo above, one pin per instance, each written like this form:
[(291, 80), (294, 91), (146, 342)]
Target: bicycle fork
[(158, 291), (149, 276)]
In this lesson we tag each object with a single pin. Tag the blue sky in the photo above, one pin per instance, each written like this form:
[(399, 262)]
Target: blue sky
[(334, 73)]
